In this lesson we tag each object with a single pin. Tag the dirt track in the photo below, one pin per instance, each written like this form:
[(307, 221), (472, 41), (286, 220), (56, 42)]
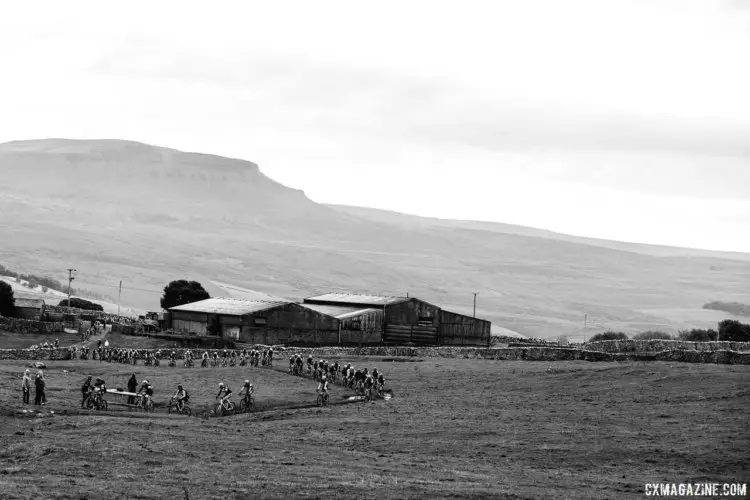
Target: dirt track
[(455, 428)]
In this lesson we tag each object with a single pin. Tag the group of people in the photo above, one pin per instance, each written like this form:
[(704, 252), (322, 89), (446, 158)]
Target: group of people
[(254, 358), (47, 345), (325, 372), (40, 397)]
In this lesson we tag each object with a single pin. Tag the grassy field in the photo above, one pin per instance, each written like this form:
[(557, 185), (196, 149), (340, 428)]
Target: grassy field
[(455, 429)]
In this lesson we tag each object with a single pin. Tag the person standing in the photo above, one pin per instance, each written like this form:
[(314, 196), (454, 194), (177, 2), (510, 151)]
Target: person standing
[(39, 396), (26, 386), (132, 386)]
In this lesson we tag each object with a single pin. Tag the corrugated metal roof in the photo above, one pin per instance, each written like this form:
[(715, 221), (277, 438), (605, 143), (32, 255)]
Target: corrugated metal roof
[(355, 298), (339, 312), (230, 307), (29, 302)]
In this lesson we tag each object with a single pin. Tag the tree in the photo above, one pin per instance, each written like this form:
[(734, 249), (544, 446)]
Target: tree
[(608, 336), (7, 301), (652, 335), (697, 335), (81, 304), (734, 331), (181, 292)]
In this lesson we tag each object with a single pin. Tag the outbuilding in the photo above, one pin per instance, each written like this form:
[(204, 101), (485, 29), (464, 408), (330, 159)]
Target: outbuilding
[(255, 321), (408, 320), (30, 307)]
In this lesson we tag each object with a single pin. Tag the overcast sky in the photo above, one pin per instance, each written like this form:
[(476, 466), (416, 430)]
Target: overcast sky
[(625, 120)]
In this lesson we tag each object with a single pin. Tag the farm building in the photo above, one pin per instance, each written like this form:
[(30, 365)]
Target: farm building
[(410, 320), (256, 321), (30, 307)]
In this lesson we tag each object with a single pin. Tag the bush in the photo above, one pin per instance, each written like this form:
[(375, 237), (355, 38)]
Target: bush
[(81, 304), (652, 335), (734, 331), (7, 301), (608, 336), (697, 335)]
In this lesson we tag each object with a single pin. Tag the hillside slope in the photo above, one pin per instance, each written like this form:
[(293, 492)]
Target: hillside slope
[(144, 214)]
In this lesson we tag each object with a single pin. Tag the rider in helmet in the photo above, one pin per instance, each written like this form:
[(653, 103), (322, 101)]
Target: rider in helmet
[(180, 396), (224, 393), (323, 385), (247, 389)]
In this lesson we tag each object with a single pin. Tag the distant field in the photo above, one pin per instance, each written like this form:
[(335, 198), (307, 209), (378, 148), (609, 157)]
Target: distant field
[(455, 428), (10, 340)]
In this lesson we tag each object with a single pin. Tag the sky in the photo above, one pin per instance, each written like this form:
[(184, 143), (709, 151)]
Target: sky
[(624, 120)]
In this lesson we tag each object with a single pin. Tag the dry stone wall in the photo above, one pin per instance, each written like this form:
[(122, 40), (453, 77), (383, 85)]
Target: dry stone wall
[(18, 325), (624, 346), (282, 354)]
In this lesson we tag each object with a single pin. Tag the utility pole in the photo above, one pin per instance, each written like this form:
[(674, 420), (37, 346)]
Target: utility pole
[(70, 280), (585, 321), (119, 295), (475, 304)]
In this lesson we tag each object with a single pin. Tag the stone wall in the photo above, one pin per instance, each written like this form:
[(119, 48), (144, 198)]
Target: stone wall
[(282, 354), (35, 354), (18, 325), (617, 346)]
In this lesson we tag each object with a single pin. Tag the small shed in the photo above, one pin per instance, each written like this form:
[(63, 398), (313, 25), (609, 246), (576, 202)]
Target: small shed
[(30, 307)]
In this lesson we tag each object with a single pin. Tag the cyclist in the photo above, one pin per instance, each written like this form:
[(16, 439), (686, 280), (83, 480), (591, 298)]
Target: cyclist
[(270, 355), (147, 389), (180, 396), (374, 373), (224, 393), (381, 381), (309, 363), (172, 358), (247, 389), (291, 364), (323, 385), (204, 363), (369, 383), (85, 391)]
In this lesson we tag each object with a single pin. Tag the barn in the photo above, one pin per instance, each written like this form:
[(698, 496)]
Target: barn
[(30, 307), (408, 320), (255, 321), (356, 324)]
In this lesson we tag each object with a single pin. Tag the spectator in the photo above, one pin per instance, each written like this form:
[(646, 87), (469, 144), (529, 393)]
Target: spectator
[(132, 386), (106, 344), (39, 397), (26, 386), (57, 343)]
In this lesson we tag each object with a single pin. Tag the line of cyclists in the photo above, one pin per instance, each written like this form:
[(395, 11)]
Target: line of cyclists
[(253, 357), (365, 383), (92, 397)]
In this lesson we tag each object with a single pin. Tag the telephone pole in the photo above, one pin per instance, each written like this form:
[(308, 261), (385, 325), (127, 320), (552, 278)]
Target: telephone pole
[(119, 295), (70, 280), (475, 304)]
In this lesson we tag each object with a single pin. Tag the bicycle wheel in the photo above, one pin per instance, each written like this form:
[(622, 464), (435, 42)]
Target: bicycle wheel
[(319, 401), (169, 408), (244, 406), (89, 403), (150, 406), (102, 405), (187, 411)]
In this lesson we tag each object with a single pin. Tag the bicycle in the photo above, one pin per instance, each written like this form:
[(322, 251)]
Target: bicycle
[(173, 406), (322, 399), (156, 362), (188, 363), (225, 407), (232, 362), (215, 362), (367, 395), (144, 402), (204, 363), (96, 401), (172, 363), (224, 363), (247, 404)]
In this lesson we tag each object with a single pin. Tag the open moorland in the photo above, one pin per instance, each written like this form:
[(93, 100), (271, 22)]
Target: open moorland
[(67, 203), (454, 429)]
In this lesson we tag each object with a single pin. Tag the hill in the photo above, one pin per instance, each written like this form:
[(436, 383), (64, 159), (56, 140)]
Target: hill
[(145, 214)]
